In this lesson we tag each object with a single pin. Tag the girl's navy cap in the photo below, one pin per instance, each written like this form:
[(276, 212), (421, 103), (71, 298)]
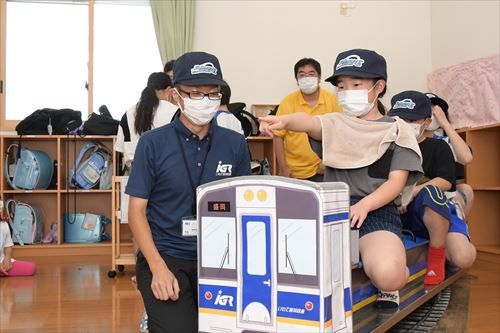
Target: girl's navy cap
[(410, 105), (359, 63)]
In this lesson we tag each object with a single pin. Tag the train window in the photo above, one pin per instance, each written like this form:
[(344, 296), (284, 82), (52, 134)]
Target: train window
[(220, 233), (336, 255), (297, 246), (256, 247)]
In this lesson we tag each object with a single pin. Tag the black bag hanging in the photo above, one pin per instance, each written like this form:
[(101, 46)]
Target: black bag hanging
[(50, 121), (101, 124), (249, 122)]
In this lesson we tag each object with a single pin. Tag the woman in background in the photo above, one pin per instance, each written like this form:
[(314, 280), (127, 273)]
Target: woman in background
[(153, 110)]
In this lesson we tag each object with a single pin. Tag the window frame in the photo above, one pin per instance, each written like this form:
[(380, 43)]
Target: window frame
[(10, 125)]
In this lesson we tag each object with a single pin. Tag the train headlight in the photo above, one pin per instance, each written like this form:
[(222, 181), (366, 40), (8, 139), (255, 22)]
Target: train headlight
[(261, 195), (248, 195)]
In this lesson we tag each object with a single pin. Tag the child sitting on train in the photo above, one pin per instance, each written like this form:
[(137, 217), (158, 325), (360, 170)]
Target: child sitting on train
[(377, 156), (8, 265), (441, 128), (428, 214)]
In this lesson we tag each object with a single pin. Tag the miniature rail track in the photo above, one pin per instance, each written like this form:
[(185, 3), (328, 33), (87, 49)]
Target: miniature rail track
[(427, 316)]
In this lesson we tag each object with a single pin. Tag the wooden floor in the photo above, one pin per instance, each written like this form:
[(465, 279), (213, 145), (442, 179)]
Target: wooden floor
[(74, 294)]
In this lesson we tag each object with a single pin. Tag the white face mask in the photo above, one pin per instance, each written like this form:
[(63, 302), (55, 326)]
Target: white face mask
[(308, 85), (355, 103), (200, 111), (434, 125), (416, 129)]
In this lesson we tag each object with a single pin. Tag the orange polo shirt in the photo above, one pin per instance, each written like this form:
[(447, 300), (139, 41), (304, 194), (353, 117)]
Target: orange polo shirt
[(299, 157)]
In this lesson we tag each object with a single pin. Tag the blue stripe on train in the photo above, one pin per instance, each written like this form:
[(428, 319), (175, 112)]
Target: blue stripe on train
[(298, 306), (328, 304), (335, 217), (217, 297), (290, 305)]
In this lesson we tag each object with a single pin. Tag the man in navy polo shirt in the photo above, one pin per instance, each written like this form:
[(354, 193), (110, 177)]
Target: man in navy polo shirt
[(169, 163)]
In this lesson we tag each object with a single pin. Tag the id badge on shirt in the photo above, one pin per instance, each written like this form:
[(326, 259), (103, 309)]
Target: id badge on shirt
[(189, 226)]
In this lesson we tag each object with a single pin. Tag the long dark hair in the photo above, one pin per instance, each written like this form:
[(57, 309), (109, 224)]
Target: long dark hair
[(380, 105), (148, 102)]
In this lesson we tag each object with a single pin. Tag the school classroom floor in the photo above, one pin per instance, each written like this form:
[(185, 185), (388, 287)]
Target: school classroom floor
[(74, 294)]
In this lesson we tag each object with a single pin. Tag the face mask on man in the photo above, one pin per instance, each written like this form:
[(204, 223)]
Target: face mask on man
[(199, 111), (355, 103), (416, 129), (308, 85)]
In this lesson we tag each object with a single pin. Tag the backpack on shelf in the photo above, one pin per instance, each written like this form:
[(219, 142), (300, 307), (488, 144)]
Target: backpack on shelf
[(85, 228), (249, 122), (50, 121), (26, 222), (101, 123), (31, 170), (93, 166)]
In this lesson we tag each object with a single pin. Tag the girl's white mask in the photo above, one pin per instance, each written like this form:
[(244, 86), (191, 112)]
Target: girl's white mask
[(355, 103)]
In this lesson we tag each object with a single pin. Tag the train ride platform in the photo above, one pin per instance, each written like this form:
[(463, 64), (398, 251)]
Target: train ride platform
[(368, 318)]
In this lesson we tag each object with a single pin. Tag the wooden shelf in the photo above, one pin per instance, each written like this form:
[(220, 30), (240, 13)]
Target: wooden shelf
[(484, 177), (54, 203), (479, 128), (263, 147), (492, 188), (30, 191), (489, 249), (55, 137), (64, 245), (72, 191)]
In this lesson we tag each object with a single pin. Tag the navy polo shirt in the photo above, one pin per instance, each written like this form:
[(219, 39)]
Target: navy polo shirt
[(160, 176)]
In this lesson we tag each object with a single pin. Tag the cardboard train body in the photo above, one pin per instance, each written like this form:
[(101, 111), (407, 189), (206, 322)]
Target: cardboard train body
[(274, 256)]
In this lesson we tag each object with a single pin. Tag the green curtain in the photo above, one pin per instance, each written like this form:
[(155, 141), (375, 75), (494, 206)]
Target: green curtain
[(174, 26)]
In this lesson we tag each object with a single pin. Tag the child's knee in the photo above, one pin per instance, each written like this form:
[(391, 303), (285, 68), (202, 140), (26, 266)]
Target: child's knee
[(389, 275), (466, 190), (464, 256)]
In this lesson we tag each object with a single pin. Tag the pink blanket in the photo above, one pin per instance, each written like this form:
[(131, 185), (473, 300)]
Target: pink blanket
[(471, 89)]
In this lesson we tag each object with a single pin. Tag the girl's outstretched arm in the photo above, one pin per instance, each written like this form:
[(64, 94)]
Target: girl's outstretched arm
[(297, 122)]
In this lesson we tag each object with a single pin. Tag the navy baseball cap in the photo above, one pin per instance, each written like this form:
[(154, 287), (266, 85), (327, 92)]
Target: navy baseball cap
[(359, 63), (198, 69), (436, 100), (410, 105)]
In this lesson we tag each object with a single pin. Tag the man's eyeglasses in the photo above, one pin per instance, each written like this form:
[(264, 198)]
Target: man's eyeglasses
[(214, 96), (303, 75)]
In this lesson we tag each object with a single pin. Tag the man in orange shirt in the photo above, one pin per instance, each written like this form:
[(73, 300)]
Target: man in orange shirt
[(294, 154)]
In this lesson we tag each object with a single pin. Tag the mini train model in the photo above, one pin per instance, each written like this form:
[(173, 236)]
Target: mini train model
[(278, 255)]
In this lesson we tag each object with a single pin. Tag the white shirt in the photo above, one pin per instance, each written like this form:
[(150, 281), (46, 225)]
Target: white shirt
[(163, 114), (228, 120), (5, 238)]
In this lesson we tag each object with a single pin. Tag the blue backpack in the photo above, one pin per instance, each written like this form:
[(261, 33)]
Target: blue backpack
[(26, 222), (32, 170), (85, 228), (93, 166)]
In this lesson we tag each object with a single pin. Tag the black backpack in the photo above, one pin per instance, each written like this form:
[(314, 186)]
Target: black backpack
[(249, 122), (61, 121), (101, 124)]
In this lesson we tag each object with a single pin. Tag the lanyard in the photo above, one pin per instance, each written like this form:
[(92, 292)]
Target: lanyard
[(186, 166)]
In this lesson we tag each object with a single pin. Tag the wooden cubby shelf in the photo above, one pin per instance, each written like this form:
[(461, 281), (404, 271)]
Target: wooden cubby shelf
[(58, 200), (483, 174)]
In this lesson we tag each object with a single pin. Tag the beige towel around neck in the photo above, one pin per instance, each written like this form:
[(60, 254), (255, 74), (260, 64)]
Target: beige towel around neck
[(351, 143)]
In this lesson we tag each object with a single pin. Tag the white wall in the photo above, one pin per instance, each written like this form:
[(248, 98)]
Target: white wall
[(464, 30), (258, 42)]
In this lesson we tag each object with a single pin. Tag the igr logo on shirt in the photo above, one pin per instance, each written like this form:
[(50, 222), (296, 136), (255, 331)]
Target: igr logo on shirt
[(223, 169)]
